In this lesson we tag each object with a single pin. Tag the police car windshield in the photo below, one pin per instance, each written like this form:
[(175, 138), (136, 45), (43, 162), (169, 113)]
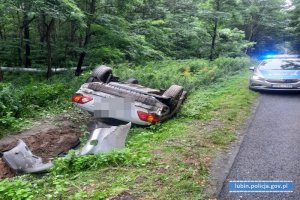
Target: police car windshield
[(280, 64)]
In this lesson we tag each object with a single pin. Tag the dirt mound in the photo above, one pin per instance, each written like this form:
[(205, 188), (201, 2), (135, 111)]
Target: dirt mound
[(46, 139)]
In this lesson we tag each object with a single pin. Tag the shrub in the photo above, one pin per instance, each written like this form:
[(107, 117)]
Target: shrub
[(16, 190), (10, 105), (191, 74), (42, 94), (73, 163)]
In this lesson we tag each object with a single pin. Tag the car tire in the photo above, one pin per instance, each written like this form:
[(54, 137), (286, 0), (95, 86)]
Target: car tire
[(91, 79), (132, 81), (102, 73), (174, 92)]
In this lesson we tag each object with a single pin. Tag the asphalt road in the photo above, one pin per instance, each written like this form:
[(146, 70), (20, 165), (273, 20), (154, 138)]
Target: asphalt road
[(271, 148)]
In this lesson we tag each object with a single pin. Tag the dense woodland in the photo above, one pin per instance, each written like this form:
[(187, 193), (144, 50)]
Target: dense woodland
[(73, 33)]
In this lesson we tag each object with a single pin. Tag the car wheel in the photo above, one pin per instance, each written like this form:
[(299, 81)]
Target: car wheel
[(91, 79), (174, 92), (103, 73), (132, 81)]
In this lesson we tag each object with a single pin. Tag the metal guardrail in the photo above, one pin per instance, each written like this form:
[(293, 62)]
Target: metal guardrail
[(36, 70)]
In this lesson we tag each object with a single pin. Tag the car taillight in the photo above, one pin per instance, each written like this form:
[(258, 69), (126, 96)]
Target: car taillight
[(147, 117), (81, 99)]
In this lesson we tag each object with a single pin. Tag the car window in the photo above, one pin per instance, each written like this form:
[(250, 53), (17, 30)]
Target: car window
[(280, 65)]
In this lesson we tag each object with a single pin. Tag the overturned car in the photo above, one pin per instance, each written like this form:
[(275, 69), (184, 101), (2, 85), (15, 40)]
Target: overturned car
[(107, 98)]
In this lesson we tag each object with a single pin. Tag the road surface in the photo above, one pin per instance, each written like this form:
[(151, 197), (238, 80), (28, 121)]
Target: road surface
[(271, 148)]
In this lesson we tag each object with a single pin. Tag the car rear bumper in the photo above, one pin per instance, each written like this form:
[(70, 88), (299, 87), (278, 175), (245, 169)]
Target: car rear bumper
[(126, 116)]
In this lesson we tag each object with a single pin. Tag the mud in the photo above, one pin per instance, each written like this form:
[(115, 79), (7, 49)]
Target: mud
[(47, 139)]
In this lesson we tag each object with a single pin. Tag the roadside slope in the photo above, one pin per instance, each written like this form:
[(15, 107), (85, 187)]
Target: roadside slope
[(167, 161)]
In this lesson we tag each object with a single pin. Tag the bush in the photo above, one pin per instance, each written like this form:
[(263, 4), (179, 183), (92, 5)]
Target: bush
[(42, 94), (10, 105), (27, 95), (73, 163), (191, 74), (16, 190)]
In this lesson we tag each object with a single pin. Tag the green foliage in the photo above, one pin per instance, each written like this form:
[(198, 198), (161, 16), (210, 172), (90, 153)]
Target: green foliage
[(80, 195), (294, 27), (197, 106), (266, 24), (16, 190), (135, 31), (10, 105), (27, 101), (27, 97), (73, 163), (191, 74)]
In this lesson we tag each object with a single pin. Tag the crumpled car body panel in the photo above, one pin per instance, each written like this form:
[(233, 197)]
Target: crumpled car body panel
[(106, 139), (21, 159), (102, 140)]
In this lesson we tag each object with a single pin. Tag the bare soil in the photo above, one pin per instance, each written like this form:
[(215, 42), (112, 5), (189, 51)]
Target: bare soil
[(48, 138), (125, 196)]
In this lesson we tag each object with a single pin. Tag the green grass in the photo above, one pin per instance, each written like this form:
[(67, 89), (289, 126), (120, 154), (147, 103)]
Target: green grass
[(166, 161)]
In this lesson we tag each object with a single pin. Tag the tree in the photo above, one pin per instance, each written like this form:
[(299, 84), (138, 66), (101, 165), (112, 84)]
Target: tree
[(217, 14), (23, 11), (90, 13), (1, 76), (294, 28), (264, 22), (52, 11), (67, 33), (217, 9)]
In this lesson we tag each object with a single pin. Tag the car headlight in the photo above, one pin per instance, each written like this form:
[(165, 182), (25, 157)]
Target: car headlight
[(257, 78)]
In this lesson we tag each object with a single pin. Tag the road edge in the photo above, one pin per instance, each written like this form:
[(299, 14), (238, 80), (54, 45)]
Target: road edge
[(223, 162)]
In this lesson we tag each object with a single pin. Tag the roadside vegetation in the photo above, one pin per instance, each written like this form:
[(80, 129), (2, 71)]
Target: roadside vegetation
[(173, 156), (24, 97)]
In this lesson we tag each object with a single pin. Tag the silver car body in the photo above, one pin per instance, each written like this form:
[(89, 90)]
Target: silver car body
[(121, 101)]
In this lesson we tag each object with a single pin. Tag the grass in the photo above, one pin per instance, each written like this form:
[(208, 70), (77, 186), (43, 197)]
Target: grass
[(165, 161)]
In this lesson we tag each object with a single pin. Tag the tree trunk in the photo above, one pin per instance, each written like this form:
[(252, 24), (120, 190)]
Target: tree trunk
[(49, 49), (92, 10), (42, 29), (250, 35), (49, 55), (20, 52), (27, 41), (70, 38), (20, 48), (213, 42), (80, 62), (1, 76), (215, 31), (1, 34)]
